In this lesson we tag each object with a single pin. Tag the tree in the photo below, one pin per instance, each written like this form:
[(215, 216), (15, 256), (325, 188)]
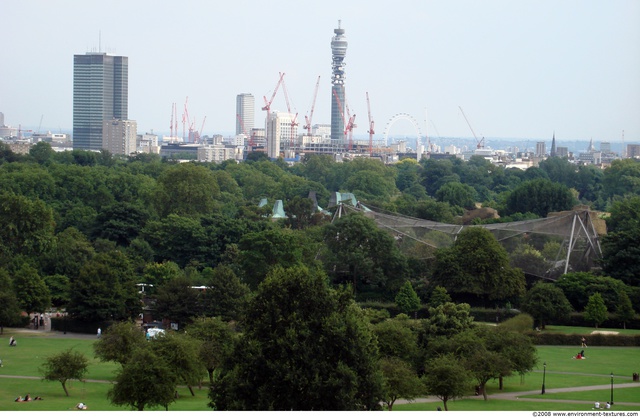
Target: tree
[(624, 309), (42, 152), (180, 353), (105, 290), (446, 378), (485, 365), (263, 250), (121, 222), (144, 382), (225, 296), (27, 225), (31, 290), (400, 381), (9, 308), (478, 265), (596, 310), (457, 194), (216, 342), (118, 342), (65, 366), (362, 255), (407, 299), (539, 196), (177, 301), (439, 296), (305, 346), (545, 301), (186, 189), (621, 178), (448, 319), (300, 211), (397, 339)]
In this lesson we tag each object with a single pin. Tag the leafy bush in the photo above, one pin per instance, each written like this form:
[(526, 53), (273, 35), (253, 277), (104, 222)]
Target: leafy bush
[(521, 323)]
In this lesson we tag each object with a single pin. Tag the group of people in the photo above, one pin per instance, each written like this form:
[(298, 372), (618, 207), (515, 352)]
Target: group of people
[(597, 405), (28, 398)]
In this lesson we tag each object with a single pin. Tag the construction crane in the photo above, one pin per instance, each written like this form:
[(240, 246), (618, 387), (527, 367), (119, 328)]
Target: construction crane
[(267, 105), (185, 119), (294, 123), (20, 131), (371, 131), (307, 120), (351, 123), (480, 143), (174, 121), (198, 134)]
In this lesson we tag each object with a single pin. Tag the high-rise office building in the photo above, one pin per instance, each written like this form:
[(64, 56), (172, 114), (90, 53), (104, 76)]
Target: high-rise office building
[(100, 93), (338, 53), (541, 149), (245, 113)]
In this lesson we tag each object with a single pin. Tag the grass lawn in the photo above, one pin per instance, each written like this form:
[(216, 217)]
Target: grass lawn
[(562, 371)]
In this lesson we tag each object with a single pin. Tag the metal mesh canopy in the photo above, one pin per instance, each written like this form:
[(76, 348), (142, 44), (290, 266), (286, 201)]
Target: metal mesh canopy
[(572, 235)]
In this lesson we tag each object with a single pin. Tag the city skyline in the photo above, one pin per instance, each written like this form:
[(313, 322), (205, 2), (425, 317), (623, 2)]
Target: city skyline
[(518, 69)]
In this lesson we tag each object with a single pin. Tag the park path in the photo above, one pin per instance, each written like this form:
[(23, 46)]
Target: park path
[(516, 396)]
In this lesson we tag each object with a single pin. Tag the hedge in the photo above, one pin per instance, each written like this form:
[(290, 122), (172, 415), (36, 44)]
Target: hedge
[(543, 338)]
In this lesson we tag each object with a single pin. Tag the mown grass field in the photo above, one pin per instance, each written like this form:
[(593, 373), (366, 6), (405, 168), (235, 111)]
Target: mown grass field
[(562, 371)]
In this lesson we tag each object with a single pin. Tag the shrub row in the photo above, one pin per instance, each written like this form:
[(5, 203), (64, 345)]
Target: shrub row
[(543, 338)]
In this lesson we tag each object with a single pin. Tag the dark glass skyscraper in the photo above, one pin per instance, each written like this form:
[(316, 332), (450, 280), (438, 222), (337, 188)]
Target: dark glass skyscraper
[(338, 53), (100, 92)]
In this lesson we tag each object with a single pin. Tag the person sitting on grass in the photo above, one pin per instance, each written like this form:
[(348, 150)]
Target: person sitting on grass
[(19, 399), (80, 405), (12, 342)]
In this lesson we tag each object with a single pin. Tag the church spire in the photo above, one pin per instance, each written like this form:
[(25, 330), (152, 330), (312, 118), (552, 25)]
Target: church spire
[(553, 145)]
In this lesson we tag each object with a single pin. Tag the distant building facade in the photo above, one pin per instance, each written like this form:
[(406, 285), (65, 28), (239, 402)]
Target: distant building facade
[(633, 150), (100, 93), (119, 136), (245, 113), (279, 130)]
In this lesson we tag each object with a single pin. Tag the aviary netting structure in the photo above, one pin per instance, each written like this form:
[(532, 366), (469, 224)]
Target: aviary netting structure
[(569, 240)]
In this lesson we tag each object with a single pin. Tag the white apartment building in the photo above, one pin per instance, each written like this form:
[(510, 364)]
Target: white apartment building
[(219, 153), (279, 131), (119, 136)]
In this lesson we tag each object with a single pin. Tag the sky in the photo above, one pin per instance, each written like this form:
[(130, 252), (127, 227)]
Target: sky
[(514, 69)]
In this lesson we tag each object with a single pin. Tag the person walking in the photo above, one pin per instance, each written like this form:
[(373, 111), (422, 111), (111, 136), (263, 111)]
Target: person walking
[(99, 332)]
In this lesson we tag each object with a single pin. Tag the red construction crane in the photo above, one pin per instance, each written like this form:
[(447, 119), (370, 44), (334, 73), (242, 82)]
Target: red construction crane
[(198, 134), (349, 124), (185, 119), (267, 106), (307, 120), (371, 131), (294, 123)]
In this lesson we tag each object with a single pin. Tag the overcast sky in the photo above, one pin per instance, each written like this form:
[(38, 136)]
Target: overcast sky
[(518, 69)]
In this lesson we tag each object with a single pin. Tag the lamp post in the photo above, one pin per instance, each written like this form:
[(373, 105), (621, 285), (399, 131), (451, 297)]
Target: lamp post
[(544, 375), (611, 403)]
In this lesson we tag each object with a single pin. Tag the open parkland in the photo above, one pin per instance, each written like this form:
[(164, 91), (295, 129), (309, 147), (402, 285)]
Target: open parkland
[(570, 384)]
